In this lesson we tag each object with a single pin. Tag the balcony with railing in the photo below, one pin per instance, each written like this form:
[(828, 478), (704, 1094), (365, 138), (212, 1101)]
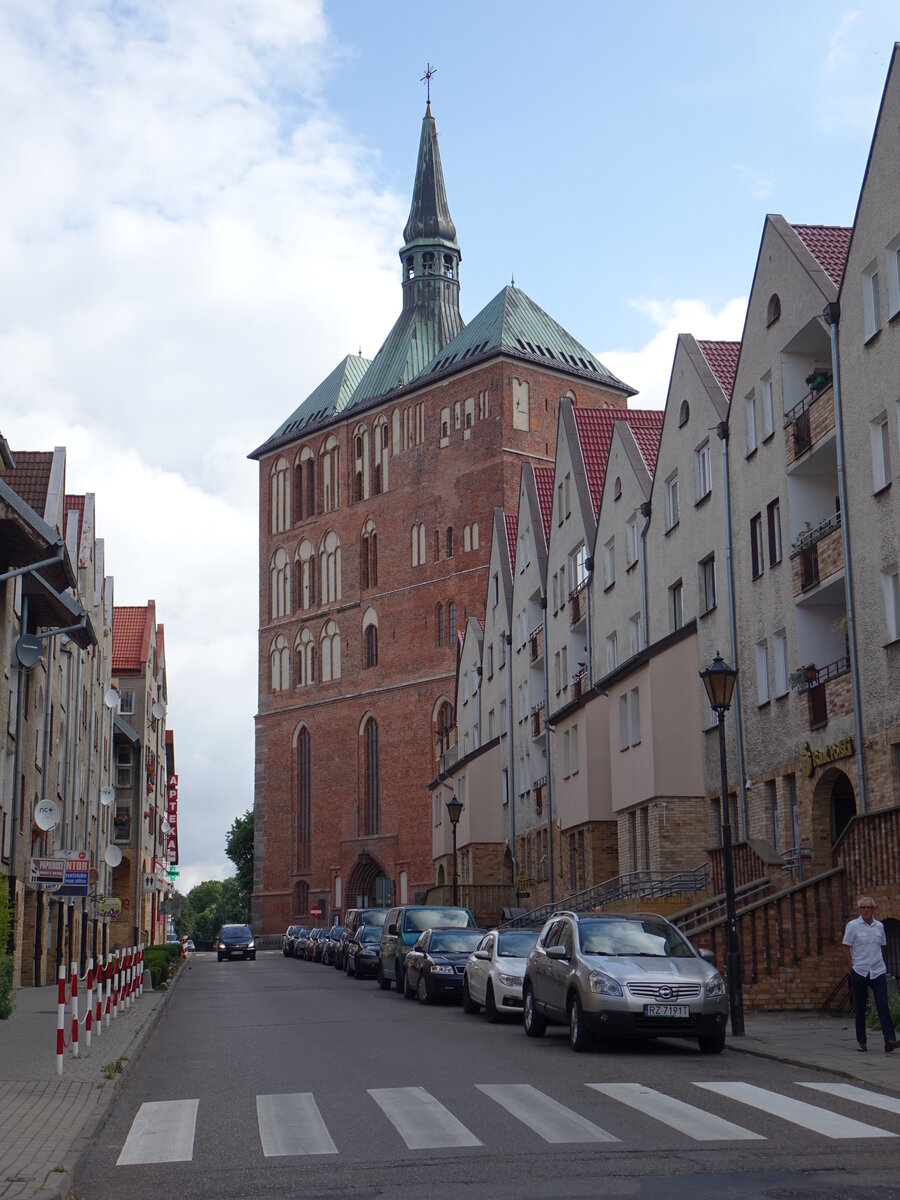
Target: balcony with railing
[(578, 605), (538, 720), (536, 644), (828, 693), (540, 794), (818, 554), (579, 683), (447, 745), (810, 420)]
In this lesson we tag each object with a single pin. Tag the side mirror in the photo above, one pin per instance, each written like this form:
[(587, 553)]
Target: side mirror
[(707, 956), (557, 953), (484, 955)]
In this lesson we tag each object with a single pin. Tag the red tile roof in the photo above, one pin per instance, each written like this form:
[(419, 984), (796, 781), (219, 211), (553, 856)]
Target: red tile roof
[(512, 526), (31, 477), (828, 244), (722, 358), (131, 636), (595, 429), (543, 478)]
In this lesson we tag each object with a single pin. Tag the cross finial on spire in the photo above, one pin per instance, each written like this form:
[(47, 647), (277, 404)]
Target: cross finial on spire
[(426, 79)]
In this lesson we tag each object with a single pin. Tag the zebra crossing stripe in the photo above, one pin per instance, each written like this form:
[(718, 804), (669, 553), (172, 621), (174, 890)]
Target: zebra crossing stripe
[(292, 1124), (798, 1112), (547, 1118), (849, 1091), (692, 1122), (162, 1131), (422, 1121)]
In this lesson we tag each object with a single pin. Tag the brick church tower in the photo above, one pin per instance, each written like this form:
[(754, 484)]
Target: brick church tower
[(377, 498)]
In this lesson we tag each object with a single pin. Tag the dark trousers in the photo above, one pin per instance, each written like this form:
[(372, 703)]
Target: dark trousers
[(861, 985)]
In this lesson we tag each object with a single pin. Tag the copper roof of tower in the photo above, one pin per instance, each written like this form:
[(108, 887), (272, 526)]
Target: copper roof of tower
[(429, 214)]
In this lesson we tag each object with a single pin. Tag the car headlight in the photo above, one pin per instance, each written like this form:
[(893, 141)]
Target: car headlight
[(371, 952), (438, 969), (509, 980), (221, 945), (715, 985), (604, 985)]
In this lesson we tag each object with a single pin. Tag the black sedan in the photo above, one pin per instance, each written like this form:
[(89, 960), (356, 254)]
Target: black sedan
[(437, 962), (314, 942), (330, 944), (287, 940), (361, 952), (300, 936)]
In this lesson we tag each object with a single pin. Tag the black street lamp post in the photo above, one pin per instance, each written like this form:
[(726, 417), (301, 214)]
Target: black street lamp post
[(719, 679), (454, 808)]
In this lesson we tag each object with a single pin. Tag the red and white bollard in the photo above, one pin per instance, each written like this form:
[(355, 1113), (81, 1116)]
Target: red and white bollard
[(89, 1012), (75, 1009), (60, 1019)]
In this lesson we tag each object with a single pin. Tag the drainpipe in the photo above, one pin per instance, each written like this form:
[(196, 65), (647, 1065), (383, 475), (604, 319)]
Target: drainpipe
[(549, 764), (722, 431), (511, 771), (17, 789), (832, 315), (645, 513), (589, 587)]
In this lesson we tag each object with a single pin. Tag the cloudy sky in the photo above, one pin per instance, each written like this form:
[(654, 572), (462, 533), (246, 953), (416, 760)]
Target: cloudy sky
[(203, 202)]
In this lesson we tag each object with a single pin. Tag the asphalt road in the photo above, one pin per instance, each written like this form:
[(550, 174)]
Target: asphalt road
[(279, 1079)]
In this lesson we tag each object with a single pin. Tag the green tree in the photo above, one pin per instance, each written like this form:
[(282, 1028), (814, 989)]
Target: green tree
[(6, 962), (239, 848)]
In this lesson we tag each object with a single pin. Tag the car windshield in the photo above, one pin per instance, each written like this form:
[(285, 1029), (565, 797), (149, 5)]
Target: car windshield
[(419, 919), (236, 931), (460, 940), (336, 932), (375, 916), (634, 939), (370, 933), (516, 944)]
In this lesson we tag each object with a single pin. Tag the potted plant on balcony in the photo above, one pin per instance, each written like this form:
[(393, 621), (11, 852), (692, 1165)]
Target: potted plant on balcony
[(818, 380), (806, 674)]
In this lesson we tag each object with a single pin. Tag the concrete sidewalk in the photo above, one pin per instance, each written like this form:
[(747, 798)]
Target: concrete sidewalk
[(48, 1122)]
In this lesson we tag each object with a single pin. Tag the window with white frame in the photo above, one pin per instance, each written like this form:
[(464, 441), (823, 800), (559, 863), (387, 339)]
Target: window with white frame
[(489, 660), (892, 274), (495, 589), (635, 716), (766, 406), (573, 750), (624, 732), (779, 648), (126, 702), (635, 634), (609, 563), (612, 652), (632, 540), (881, 453), (501, 647), (504, 785), (750, 421), (672, 501), (871, 301), (504, 717), (565, 755), (469, 416), (708, 584), (890, 585), (578, 567), (773, 521), (703, 470), (330, 652), (762, 672), (445, 426), (756, 545), (676, 605)]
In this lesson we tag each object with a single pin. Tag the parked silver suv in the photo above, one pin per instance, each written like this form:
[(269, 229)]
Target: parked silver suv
[(615, 975)]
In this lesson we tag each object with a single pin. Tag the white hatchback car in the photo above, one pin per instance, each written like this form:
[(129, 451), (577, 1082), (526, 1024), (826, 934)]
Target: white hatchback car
[(494, 972)]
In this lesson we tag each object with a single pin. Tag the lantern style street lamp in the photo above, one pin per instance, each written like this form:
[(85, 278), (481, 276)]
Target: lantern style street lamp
[(719, 680), (454, 809)]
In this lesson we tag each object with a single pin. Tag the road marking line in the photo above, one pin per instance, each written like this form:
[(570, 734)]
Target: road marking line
[(798, 1112), (422, 1121), (162, 1131), (692, 1122), (849, 1091), (292, 1124), (544, 1116)]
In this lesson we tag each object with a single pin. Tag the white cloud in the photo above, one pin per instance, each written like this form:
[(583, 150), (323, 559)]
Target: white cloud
[(649, 368), (838, 55), (760, 185), (189, 242)]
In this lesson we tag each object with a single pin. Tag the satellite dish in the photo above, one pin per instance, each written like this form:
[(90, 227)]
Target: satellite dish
[(158, 709), (111, 699), (29, 650), (46, 815), (112, 855), (165, 826), (107, 795)]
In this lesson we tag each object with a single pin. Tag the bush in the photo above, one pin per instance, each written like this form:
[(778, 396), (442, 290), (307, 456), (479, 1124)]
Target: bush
[(893, 1005), (158, 961), (6, 962)]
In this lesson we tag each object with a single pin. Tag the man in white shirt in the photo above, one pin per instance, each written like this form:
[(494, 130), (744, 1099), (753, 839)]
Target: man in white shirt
[(863, 942)]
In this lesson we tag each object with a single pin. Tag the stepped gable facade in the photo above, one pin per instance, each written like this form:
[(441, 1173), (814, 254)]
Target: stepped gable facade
[(377, 500)]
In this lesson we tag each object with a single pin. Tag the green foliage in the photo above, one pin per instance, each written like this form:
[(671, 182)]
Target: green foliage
[(209, 906), (6, 962), (239, 848), (158, 960), (893, 1005)]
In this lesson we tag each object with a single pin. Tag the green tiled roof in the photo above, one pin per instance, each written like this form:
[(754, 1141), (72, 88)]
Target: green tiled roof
[(512, 323), (330, 398)]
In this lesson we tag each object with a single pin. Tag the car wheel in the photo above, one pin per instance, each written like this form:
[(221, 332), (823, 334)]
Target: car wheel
[(579, 1037), (535, 1024), (469, 1005), (347, 970), (253, 956), (490, 1006), (408, 992), (383, 982), (714, 1044), (398, 978), (422, 993)]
